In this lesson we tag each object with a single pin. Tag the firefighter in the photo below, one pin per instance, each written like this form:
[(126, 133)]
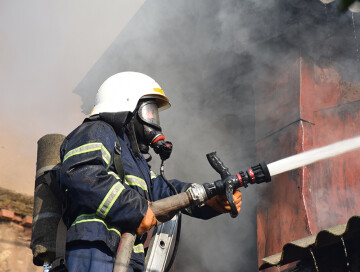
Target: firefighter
[(104, 201)]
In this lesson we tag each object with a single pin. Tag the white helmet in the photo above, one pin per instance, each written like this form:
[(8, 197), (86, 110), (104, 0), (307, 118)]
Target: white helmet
[(122, 92)]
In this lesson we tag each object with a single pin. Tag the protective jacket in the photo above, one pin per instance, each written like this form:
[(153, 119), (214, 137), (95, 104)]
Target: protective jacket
[(100, 206)]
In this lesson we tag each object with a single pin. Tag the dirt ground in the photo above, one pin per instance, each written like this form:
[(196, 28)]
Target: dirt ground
[(15, 254)]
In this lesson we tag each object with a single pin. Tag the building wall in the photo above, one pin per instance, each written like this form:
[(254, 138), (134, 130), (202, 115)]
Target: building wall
[(305, 108)]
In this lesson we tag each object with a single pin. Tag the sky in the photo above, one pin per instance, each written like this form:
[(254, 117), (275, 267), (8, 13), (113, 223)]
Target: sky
[(46, 48)]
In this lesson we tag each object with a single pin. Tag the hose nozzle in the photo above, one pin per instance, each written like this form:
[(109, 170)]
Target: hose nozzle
[(256, 174)]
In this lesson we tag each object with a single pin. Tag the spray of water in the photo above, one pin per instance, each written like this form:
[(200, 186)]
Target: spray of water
[(312, 156)]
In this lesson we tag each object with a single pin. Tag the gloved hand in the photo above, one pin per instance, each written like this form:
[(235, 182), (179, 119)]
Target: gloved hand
[(220, 204), (147, 223)]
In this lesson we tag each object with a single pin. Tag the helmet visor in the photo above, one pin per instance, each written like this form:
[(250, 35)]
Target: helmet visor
[(149, 113)]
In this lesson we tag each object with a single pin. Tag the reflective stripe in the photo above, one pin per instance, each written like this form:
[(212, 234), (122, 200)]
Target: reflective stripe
[(153, 175), (109, 199), (189, 210), (158, 90), (114, 174), (135, 181), (93, 219), (89, 148), (139, 248)]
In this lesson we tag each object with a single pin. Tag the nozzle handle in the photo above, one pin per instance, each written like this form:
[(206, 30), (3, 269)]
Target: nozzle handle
[(218, 165), (227, 180), (229, 191)]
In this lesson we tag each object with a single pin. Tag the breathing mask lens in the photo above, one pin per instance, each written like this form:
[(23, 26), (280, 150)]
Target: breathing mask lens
[(149, 113)]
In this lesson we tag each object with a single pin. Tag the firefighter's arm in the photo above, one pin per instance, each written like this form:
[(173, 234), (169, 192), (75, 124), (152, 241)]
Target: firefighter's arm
[(90, 184)]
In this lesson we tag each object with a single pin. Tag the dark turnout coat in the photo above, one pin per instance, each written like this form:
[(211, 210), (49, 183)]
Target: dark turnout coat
[(101, 206)]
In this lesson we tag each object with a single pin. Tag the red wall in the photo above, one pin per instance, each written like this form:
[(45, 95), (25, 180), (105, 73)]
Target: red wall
[(304, 108)]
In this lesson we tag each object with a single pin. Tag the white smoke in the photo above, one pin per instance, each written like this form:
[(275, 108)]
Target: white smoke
[(207, 55)]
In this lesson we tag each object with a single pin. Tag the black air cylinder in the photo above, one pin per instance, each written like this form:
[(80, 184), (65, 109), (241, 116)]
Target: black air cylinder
[(47, 208)]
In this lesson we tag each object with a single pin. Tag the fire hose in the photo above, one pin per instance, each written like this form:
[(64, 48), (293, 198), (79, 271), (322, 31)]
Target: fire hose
[(197, 195)]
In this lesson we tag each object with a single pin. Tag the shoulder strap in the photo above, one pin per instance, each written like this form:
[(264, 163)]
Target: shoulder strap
[(118, 162)]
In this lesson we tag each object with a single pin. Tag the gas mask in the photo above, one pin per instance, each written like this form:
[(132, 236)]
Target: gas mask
[(148, 130)]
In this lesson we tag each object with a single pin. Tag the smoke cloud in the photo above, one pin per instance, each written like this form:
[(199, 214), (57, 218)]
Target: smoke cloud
[(207, 56)]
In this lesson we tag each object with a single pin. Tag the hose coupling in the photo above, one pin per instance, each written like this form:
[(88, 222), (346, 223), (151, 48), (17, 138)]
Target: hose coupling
[(198, 194)]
